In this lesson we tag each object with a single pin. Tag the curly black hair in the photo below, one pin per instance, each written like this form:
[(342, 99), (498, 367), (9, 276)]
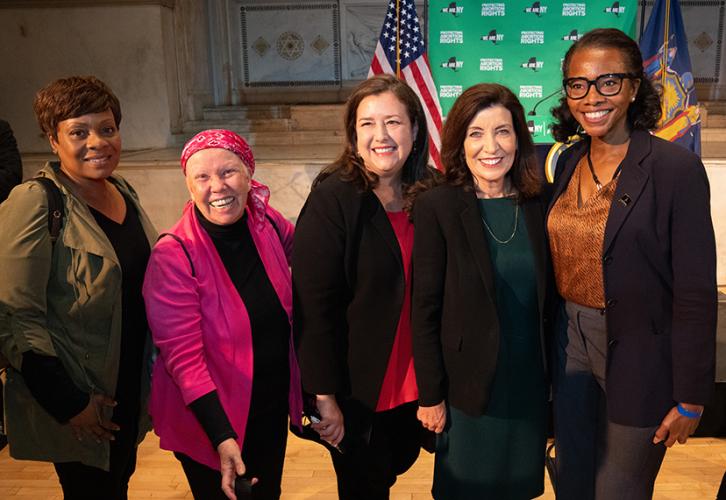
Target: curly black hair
[(643, 114)]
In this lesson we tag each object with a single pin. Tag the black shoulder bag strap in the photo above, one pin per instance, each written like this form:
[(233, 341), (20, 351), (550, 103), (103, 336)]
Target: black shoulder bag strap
[(55, 207), (55, 223)]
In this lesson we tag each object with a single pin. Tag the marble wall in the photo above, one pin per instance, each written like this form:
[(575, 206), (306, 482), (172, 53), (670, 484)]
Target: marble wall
[(123, 44)]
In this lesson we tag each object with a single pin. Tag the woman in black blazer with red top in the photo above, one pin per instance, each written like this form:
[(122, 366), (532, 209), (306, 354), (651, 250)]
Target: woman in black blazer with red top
[(351, 282), (634, 257)]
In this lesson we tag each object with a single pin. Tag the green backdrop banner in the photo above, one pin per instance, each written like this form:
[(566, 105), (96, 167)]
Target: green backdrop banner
[(515, 43)]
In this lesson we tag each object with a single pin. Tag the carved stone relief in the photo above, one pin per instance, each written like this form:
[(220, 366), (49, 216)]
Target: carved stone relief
[(290, 44), (362, 27)]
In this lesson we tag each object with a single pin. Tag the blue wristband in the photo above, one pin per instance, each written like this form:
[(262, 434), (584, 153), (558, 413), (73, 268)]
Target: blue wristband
[(686, 413)]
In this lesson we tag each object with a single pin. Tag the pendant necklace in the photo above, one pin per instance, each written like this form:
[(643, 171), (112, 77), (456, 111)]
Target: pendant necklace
[(598, 184), (514, 231)]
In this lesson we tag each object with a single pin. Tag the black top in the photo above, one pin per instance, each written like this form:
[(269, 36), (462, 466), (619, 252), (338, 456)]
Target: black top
[(132, 250), (269, 324), (46, 377)]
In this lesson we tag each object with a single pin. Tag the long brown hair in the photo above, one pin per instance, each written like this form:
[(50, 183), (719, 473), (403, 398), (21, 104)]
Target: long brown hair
[(524, 174), (350, 165)]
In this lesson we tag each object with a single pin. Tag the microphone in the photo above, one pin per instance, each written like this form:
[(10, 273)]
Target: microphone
[(533, 112)]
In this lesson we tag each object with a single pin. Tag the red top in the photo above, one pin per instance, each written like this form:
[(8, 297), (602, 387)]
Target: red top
[(399, 383)]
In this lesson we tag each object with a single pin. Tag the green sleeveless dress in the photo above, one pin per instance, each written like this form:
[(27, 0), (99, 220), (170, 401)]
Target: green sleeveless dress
[(500, 455)]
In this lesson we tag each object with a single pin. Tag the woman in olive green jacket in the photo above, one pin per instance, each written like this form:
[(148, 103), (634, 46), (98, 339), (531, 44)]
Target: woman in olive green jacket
[(73, 324)]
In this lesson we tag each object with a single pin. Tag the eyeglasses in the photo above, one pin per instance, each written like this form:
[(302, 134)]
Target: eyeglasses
[(607, 85)]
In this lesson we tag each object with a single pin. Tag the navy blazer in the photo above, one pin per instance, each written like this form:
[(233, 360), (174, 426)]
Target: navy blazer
[(659, 270), (454, 317)]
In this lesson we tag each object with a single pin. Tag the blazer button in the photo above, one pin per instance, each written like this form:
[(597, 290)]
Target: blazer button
[(608, 259), (612, 343), (87, 356), (611, 303)]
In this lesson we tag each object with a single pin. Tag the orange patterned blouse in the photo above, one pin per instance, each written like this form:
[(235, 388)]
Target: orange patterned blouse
[(577, 231)]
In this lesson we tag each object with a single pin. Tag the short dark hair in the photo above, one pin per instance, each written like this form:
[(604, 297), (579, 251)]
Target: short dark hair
[(643, 114), (524, 174), (70, 98), (350, 164)]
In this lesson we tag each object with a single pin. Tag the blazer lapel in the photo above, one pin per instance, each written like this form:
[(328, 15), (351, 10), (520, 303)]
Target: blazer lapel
[(472, 224), (630, 185), (535, 229), (379, 220)]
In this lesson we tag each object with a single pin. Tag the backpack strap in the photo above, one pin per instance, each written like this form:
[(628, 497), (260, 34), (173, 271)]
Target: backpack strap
[(55, 207), (186, 252)]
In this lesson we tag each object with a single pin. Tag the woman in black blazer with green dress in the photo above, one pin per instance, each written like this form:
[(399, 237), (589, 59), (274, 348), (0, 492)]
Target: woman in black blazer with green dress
[(481, 301)]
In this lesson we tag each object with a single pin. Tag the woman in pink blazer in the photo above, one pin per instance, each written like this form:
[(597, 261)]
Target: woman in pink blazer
[(218, 297)]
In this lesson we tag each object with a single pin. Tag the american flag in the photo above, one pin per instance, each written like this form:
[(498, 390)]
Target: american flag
[(401, 51)]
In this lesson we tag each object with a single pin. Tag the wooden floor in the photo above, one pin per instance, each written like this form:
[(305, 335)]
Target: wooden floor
[(692, 471)]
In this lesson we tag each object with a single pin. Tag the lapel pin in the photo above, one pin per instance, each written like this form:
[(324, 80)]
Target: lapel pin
[(625, 200)]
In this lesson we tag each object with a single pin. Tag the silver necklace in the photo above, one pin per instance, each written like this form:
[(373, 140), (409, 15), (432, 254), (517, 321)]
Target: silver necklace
[(514, 231)]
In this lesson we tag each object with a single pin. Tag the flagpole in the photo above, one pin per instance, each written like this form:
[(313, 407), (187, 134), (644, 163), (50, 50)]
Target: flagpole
[(666, 37), (398, 38)]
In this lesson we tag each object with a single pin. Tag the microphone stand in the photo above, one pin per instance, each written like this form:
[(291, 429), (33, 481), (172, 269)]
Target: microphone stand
[(533, 112)]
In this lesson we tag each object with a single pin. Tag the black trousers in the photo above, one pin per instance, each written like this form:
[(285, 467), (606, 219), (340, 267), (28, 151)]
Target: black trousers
[(263, 453), (596, 459), (367, 469), (83, 482)]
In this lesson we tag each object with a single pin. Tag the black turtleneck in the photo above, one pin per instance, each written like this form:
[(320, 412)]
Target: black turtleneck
[(269, 324)]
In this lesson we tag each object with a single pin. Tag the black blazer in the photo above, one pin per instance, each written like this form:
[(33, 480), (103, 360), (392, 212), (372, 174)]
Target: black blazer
[(659, 269), (348, 290), (11, 168), (454, 316)]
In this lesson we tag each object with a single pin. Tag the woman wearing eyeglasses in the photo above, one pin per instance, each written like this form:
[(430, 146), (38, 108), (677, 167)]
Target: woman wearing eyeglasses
[(634, 258)]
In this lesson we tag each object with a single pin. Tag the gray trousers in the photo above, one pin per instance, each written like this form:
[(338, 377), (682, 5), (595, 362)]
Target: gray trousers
[(596, 459)]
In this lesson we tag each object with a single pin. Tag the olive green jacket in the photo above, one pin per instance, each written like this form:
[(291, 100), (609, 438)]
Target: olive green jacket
[(62, 301)]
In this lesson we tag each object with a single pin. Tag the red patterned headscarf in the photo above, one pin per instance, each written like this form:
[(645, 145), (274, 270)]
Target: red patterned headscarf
[(259, 194)]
